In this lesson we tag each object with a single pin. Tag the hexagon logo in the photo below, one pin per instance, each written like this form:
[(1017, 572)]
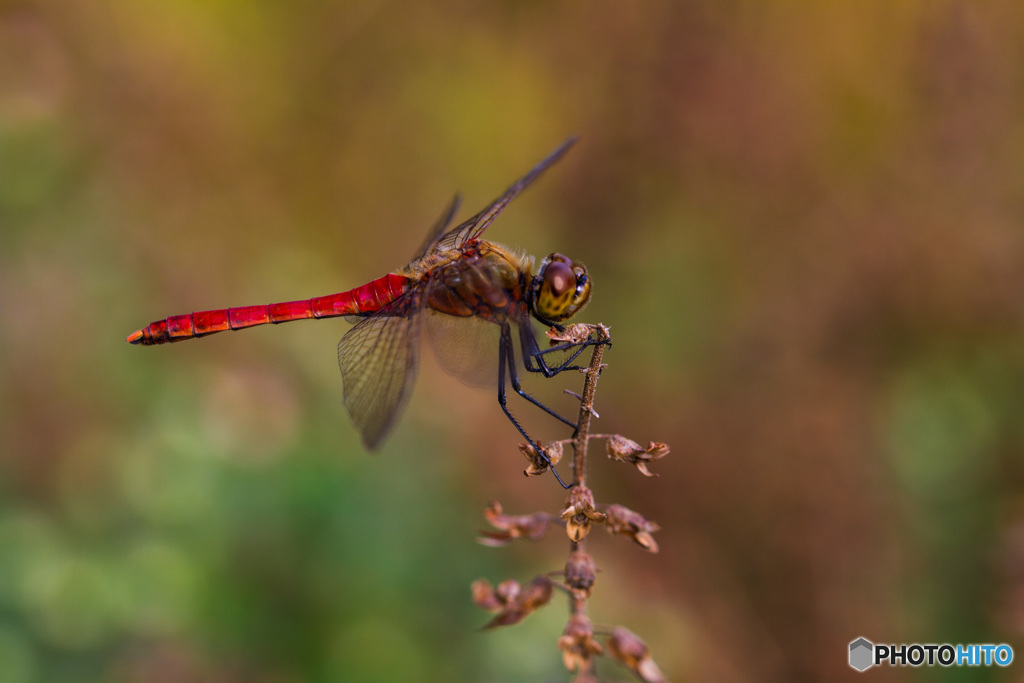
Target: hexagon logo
[(862, 654)]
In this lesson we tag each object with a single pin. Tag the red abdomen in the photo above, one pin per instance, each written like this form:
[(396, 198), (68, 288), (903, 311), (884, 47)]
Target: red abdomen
[(362, 300)]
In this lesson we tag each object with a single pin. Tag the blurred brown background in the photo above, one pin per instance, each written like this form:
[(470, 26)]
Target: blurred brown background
[(803, 223)]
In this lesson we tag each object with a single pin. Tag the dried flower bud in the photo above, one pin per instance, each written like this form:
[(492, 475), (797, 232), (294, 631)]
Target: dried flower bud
[(511, 601), (626, 450), (537, 593), (580, 574), (538, 464), (513, 526), (576, 333), (484, 595), (622, 520), (579, 513), (508, 591), (577, 643), (626, 647)]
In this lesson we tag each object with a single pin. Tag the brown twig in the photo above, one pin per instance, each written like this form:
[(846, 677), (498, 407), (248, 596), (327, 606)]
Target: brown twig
[(580, 446), (581, 439)]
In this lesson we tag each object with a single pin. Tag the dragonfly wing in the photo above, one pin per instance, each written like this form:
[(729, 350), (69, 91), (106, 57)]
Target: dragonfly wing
[(466, 348), (378, 367), (439, 228), (474, 227)]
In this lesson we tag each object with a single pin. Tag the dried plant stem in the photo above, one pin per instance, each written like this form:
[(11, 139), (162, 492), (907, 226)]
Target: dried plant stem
[(581, 439), (580, 445)]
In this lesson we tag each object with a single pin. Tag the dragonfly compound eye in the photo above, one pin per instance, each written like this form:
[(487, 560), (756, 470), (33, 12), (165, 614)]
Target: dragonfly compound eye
[(560, 289)]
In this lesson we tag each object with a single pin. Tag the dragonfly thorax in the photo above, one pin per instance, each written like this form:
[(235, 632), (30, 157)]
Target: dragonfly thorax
[(484, 280)]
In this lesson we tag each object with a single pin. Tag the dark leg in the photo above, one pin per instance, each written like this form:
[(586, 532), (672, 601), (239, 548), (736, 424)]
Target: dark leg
[(532, 353), (506, 358), (509, 355)]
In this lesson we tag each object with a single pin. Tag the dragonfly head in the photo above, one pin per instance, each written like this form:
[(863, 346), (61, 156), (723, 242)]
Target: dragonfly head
[(559, 290)]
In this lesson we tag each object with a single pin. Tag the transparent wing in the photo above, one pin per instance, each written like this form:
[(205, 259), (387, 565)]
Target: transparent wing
[(474, 227), (438, 228), (378, 367), (466, 348)]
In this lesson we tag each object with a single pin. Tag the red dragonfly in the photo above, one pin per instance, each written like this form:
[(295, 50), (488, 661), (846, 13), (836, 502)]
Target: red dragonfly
[(455, 274)]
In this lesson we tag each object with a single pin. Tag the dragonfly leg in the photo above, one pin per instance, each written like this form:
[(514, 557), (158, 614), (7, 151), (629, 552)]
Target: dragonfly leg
[(507, 359), (532, 353), (509, 354), (578, 348)]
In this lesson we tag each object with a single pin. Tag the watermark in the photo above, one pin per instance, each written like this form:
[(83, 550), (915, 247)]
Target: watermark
[(864, 654)]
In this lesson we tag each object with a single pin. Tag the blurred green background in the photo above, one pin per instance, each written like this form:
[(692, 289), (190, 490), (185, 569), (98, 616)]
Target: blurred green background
[(804, 226)]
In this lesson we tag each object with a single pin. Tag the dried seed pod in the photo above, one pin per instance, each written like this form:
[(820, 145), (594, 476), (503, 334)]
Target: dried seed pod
[(580, 574), (579, 512), (626, 450), (484, 595), (577, 643), (625, 646), (511, 601), (574, 333), (513, 526), (622, 520), (538, 463)]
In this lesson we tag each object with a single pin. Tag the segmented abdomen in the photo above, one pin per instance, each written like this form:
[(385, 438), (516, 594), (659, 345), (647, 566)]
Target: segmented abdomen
[(362, 300)]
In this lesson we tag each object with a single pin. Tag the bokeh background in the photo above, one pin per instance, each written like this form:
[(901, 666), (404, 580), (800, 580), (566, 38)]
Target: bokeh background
[(803, 223)]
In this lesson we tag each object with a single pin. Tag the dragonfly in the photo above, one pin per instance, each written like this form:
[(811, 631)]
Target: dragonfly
[(454, 275)]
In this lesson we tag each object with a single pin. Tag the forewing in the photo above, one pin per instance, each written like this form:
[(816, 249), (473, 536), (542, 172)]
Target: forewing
[(474, 227), (438, 229), (378, 367)]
